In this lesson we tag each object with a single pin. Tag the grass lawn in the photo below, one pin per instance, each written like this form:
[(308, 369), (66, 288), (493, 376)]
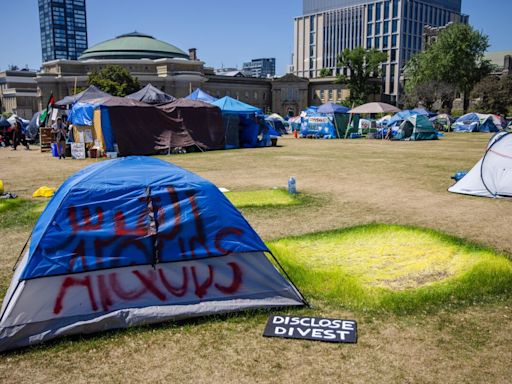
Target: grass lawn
[(356, 183), (263, 198), (393, 268)]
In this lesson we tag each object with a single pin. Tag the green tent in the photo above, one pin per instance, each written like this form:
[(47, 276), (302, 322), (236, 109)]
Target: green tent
[(417, 127)]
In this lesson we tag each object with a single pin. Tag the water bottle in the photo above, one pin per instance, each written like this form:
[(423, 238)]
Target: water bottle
[(292, 186)]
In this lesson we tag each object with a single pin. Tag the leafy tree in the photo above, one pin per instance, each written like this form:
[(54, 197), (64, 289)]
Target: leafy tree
[(364, 67), (428, 94), (115, 80), (494, 94), (456, 57), (325, 72)]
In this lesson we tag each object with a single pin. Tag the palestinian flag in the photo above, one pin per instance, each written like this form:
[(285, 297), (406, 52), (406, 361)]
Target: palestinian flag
[(46, 112)]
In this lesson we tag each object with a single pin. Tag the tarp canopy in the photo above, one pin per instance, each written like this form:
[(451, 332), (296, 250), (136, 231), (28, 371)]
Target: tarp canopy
[(477, 122), (332, 108), (89, 94), (229, 105), (415, 128), (201, 95), (492, 175), (151, 95), (137, 128), (203, 121), (370, 108), (136, 241)]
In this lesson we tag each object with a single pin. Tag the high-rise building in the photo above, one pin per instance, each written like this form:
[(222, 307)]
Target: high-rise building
[(63, 29), (396, 27), (260, 68)]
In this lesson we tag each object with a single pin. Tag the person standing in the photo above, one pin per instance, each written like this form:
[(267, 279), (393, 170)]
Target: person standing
[(60, 131), (19, 136)]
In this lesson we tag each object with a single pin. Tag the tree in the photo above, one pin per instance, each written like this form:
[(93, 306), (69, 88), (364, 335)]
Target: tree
[(428, 94), (494, 94), (364, 67), (455, 58), (325, 72), (114, 79)]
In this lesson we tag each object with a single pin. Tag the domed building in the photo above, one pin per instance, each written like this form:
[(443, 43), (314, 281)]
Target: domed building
[(170, 69), (131, 46)]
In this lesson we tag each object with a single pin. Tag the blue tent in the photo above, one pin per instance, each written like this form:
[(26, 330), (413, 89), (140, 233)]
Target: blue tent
[(229, 105), (318, 125), (332, 108), (475, 122), (397, 118), (134, 241), (201, 95)]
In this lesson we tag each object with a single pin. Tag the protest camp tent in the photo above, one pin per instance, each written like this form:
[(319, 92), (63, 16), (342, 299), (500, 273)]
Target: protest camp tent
[(201, 120), (442, 122), (90, 93), (276, 123), (135, 241), (477, 122), (415, 128), (33, 127), (136, 127), (492, 175), (401, 116), (151, 95), (318, 125), (241, 130), (338, 114), (201, 95)]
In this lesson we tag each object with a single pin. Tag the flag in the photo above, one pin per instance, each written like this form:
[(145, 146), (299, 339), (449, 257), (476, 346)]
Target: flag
[(46, 112)]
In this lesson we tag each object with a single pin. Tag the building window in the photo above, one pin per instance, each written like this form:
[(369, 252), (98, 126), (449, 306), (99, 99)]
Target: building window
[(386, 9), (394, 26), (395, 8), (255, 95), (331, 96), (377, 28), (378, 8), (386, 27), (385, 42), (369, 43), (377, 43), (370, 12), (370, 29), (393, 55)]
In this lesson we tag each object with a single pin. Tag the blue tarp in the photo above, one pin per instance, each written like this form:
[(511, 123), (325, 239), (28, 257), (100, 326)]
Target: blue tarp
[(474, 122), (134, 211), (201, 95), (318, 125), (232, 106), (82, 113), (332, 108)]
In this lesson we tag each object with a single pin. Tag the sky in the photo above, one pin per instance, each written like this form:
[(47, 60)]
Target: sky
[(225, 32)]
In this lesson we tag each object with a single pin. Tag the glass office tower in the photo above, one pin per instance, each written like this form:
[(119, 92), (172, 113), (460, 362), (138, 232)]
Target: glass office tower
[(63, 29), (327, 27)]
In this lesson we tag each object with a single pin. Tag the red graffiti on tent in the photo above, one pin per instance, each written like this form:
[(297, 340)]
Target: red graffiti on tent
[(106, 289), (146, 235)]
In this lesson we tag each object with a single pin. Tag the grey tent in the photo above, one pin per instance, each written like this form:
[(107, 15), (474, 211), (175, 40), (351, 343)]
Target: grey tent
[(151, 95), (90, 93)]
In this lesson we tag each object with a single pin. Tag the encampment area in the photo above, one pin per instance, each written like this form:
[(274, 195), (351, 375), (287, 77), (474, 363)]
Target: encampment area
[(354, 245)]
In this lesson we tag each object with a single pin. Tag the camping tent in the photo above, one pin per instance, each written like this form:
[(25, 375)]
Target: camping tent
[(202, 121), (442, 122), (33, 127), (401, 116), (318, 125), (138, 241), (277, 123), (137, 128), (201, 95), (477, 122), (492, 175), (415, 128), (338, 114), (241, 130), (151, 95), (332, 108), (90, 93)]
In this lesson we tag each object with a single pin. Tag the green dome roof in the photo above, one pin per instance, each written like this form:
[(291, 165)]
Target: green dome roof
[(133, 46)]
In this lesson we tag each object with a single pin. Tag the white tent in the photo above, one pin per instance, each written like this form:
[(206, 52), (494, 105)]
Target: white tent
[(492, 175)]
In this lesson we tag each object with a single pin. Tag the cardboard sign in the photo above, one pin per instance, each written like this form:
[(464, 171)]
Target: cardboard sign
[(78, 151), (311, 328)]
